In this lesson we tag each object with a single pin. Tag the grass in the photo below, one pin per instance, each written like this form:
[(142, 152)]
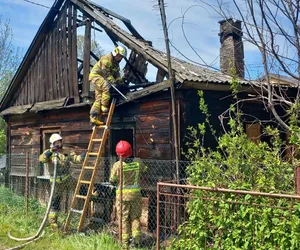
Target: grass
[(13, 217)]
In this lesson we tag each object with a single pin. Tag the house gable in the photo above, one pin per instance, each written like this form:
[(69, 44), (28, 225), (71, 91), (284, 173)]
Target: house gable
[(49, 69)]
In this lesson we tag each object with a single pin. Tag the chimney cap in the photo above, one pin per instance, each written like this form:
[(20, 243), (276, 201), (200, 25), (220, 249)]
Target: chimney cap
[(229, 20)]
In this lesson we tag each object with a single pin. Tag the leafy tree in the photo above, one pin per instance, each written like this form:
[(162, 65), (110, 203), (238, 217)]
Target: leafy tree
[(10, 58)]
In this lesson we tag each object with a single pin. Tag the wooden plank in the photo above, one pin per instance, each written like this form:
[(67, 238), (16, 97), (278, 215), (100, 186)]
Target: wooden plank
[(38, 79), (50, 67), (39, 76), (160, 75), (43, 75), (74, 56), (34, 80), (86, 59), (159, 151), (46, 69), (66, 82), (53, 104), (29, 85), (153, 121), (76, 138), (60, 74), (70, 44), (54, 64), (155, 107), (24, 130), (146, 91), (53, 117), (76, 126), (23, 93), (56, 59), (25, 140), (27, 101), (153, 138)]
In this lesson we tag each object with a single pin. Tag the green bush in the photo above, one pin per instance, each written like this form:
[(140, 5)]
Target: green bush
[(228, 221)]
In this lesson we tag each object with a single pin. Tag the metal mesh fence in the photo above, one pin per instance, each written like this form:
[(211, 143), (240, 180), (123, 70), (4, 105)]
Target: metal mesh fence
[(171, 215), (30, 178), (191, 217)]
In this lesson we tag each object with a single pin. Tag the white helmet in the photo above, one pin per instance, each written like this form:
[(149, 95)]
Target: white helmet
[(120, 50), (54, 138)]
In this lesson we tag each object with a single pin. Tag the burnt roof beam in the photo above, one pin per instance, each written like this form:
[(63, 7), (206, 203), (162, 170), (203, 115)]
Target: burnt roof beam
[(122, 36), (126, 21)]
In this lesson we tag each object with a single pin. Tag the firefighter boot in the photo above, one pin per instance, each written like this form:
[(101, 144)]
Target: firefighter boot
[(94, 120), (104, 110), (53, 221)]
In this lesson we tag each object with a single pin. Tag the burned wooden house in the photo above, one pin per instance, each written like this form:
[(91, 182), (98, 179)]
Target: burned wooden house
[(50, 91)]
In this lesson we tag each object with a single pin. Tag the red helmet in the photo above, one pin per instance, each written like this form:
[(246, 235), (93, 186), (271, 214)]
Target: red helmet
[(124, 149)]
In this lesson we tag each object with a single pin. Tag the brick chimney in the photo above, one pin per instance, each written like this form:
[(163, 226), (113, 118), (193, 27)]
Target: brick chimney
[(232, 48)]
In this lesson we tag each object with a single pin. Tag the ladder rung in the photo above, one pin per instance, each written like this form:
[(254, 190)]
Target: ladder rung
[(85, 182), (102, 126), (88, 167), (93, 154), (97, 140), (76, 211), (80, 196)]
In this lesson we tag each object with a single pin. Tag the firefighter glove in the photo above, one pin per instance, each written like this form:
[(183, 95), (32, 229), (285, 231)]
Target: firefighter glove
[(48, 153), (83, 155)]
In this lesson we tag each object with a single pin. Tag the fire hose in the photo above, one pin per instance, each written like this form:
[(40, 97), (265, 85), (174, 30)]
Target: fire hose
[(39, 232)]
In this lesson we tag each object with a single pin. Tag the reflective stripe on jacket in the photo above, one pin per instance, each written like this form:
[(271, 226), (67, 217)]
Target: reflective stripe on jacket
[(131, 177)]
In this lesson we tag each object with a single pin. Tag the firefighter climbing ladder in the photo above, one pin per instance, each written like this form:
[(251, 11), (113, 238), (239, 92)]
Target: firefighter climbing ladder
[(86, 168)]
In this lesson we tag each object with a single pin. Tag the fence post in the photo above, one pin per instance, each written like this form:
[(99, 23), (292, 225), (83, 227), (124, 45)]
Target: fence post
[(27, 181), (121, 199), (157, 217), (297, 179)]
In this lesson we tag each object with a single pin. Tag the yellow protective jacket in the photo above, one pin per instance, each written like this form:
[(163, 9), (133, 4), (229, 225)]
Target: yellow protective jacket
[(107, 69), (63, 168), (131, 178)]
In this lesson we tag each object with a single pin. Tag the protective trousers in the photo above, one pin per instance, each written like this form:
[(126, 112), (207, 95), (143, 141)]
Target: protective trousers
[(102, 96), (131, 213), (60, 187)]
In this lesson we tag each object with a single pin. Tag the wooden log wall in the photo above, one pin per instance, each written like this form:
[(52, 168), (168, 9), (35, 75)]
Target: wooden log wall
[(152, 127), (53, 72), (151, 120)]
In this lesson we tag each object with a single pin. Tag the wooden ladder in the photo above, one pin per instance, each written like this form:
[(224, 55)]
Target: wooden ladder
[(88, 169)]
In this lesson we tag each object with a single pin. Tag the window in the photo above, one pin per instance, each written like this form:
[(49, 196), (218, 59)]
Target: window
[(45, 144), (46, 136), (253, 132), (117, 134)]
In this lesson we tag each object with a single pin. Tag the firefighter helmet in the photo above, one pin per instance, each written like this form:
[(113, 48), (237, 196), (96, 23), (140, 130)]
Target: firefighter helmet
[(124, 149), (54, 138), (119, 50)]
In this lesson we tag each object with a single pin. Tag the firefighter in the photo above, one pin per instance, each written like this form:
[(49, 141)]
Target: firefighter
[(104, 73), (63, 175), (131, 194)]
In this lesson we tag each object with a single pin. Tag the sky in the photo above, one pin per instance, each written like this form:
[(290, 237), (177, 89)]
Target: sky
[(201, 27)]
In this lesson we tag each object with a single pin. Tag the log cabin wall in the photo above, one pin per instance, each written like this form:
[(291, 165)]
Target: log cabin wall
[(151, 119), (52, 73)]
